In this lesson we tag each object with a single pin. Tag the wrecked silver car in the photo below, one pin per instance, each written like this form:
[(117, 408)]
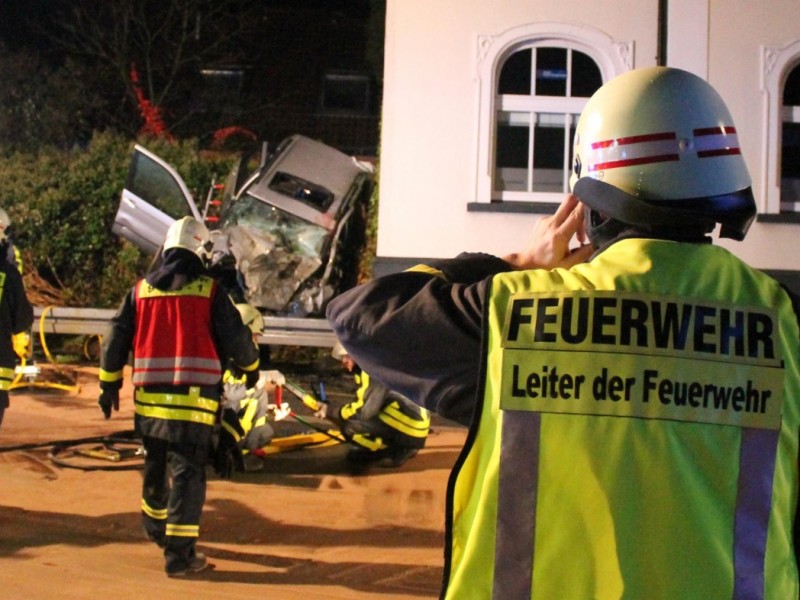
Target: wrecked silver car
[(281, 229)]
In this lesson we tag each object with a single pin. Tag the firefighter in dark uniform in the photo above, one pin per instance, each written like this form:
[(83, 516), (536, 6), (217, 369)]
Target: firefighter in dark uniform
[(181, 328), (247, 414), (385, 428), (633, 403), (16, 316)]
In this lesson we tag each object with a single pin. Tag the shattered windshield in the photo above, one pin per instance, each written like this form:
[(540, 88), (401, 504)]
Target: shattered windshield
[(277, 254), (295, 235)]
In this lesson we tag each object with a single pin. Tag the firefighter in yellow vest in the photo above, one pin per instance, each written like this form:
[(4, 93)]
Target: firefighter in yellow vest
[(384, 427), (181, 327), (633, 403)]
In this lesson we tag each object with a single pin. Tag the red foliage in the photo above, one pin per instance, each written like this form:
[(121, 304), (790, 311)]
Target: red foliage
[(153, 122)]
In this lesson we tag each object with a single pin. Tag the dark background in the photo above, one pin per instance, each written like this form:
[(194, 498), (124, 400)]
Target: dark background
[(257, 68)]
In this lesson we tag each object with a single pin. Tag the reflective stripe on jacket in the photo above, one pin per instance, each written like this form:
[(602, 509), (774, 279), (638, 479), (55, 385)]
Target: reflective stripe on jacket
[(187, 357), (192, 407), (639, 444)]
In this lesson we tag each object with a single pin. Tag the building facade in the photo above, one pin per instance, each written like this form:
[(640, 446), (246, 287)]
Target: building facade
[(481, 98)]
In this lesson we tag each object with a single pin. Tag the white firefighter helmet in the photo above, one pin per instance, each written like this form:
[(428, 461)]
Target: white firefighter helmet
[(188, 233), (657, 146), (251, 317), (5, 222), (338, 352)]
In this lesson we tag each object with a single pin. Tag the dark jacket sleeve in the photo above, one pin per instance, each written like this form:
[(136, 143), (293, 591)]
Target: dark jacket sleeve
[(16, 313), (20, 308), (233, 338), (117, 343), (419, 332)]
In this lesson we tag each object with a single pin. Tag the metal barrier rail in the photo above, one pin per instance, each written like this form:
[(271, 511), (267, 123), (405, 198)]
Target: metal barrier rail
[(285, 331)]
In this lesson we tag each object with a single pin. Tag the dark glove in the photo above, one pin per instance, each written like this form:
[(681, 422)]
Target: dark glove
[(228, 456), (251, 378), (108, 399)]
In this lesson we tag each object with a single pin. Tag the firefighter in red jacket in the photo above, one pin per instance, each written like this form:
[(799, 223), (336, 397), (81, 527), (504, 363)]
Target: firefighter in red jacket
[(180, 327)]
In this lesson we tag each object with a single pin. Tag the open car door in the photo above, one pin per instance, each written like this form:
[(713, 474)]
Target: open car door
[(286, 236), (153, 198)]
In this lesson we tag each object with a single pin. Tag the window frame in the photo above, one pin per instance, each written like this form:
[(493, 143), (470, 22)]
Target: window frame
[(611, 57), (776, 64)]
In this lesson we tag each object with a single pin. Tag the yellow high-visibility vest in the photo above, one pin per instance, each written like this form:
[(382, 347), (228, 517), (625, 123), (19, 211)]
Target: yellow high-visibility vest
[(637, 436)]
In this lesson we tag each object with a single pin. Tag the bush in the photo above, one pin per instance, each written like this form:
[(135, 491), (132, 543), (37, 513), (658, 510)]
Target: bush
[(62, 205)]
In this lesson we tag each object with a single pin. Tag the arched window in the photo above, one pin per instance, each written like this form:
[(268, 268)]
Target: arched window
[(781, 89), (541, 92), (790, 143), (534, 82)]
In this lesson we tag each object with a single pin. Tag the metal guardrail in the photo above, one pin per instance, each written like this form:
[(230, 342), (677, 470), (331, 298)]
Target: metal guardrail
[(280, 331), (71, 321), (288, 331)]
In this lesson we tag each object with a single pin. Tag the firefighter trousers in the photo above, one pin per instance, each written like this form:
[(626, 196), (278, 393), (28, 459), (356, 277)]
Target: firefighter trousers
[(173, 494)]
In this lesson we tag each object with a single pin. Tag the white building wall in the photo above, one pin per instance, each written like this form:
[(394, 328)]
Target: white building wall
[(430, 121), (737, 31)]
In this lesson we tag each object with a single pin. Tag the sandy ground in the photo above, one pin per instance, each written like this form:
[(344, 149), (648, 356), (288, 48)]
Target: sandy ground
[(303, 527)]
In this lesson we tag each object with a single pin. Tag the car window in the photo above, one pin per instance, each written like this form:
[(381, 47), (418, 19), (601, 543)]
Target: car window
[(295, 187), (148, 180)]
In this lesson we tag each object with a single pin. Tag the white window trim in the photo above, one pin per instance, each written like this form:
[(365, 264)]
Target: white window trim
[(776, 64), (612, 58)]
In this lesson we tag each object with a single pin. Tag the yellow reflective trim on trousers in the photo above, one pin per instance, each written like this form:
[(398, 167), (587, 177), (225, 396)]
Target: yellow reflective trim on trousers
[(183, 530), (110, 376), (410, 426), (154, 513), (177, 407), (369, 442), (7, 373)]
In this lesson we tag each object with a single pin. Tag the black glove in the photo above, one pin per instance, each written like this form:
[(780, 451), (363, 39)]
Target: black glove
[(108, 399), (228, 456), (251, 378)]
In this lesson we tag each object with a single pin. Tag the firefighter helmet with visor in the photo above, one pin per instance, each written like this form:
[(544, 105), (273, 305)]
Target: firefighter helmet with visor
[(656, 149), (190, 234)]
